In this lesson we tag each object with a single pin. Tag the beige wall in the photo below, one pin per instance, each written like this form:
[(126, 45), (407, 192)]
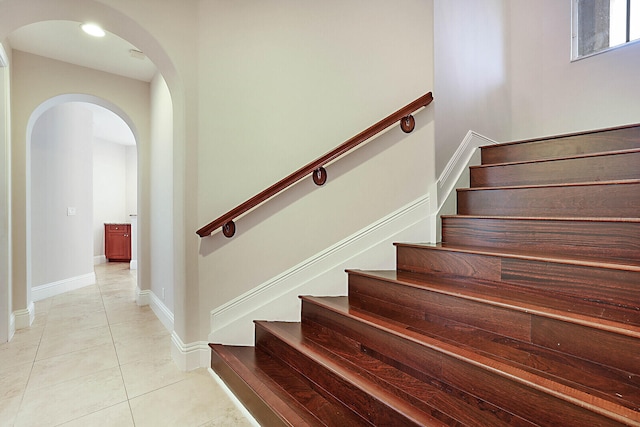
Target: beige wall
[(281, 83), (551, 94)]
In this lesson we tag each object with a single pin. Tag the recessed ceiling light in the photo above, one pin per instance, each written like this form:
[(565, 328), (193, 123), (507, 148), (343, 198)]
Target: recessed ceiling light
[(93, 30)]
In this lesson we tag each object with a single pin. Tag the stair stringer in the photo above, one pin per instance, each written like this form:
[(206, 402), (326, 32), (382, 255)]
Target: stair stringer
[(454, 175), (322, 275)]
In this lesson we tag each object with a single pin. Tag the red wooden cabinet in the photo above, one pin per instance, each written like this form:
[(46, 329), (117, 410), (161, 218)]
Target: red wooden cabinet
[(117, 242)]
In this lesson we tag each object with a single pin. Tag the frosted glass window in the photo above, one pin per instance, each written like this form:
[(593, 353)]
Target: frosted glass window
[(599, 25)]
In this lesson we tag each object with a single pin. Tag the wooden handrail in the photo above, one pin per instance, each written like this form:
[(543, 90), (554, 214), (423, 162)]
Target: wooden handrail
[(316, 168)]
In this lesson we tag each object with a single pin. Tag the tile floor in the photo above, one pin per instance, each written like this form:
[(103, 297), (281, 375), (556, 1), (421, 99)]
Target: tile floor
[(94, 358)]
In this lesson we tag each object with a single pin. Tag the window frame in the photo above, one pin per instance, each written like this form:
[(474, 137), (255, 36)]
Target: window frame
[(574, 34)]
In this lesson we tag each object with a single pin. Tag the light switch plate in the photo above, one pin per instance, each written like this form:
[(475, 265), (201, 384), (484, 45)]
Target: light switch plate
[(71, 211)]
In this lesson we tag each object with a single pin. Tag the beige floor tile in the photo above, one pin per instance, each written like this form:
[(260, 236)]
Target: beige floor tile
[(32, 333), (143, 376), (17, 353), (57, 342), (13, 380), (42, 306), (69, 400), (76, 321), (9, 409), (65, 367), (53, 370), (115, 416), (126, 331), (147, 348), (190, 402)]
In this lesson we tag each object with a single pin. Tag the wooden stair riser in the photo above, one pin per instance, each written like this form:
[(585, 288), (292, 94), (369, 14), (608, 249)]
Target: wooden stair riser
[(379, 296), (424, 304), (564, 146), (613, 288), (602, 239), (611, 167), (331, 385), (480, 381), (616, 200)]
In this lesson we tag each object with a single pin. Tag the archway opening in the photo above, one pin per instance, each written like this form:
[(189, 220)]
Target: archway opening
[(83, 174)]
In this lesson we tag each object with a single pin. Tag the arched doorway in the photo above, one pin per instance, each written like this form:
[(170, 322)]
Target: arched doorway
[(13, 15), (78, 180)]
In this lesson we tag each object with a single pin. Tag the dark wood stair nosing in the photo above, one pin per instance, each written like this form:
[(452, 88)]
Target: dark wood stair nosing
[(554, 185), (545, 160), (611, 264)]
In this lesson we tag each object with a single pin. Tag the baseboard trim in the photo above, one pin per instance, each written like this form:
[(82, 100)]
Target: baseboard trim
[(322, 274), (61, 286), (458, 163), (190, 356), (133, 264), (161, 311), (24, 318), (100, 259), (143, 297), (12, 325)]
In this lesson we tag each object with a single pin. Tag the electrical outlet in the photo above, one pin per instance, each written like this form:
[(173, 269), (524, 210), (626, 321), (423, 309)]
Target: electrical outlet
[(71, 211)]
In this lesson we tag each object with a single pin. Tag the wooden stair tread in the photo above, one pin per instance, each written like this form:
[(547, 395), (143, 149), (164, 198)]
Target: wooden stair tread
[(542, 186), (507, 369), (428, 395), (544, 160), (487, 292), (613, 264), (291, 335), (258, 391), (549, 218)]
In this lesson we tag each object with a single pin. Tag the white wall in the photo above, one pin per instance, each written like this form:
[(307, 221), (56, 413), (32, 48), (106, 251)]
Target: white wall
[(131, 191), (161, 194), (551, 94), (281, 83), (61, 177), (472, 81)]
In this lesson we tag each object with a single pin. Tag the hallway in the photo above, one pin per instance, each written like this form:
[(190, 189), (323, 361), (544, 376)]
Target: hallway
[(94, 358)]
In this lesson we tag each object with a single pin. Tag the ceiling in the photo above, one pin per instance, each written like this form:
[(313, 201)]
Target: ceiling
[(65, 41)]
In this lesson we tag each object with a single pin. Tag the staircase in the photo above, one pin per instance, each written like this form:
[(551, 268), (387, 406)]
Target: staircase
[(527, 314)]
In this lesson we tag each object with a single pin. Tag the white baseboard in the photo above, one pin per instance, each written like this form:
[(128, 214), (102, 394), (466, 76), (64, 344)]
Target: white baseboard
[(161, 311), (143, 297), (190, 356), (133, 264), (12, 325), (322, 274), (100, 259), (24, 318), (61, 286)]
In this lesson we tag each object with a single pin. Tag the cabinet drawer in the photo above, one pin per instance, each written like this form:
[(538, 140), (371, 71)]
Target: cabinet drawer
[(117, 227)]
